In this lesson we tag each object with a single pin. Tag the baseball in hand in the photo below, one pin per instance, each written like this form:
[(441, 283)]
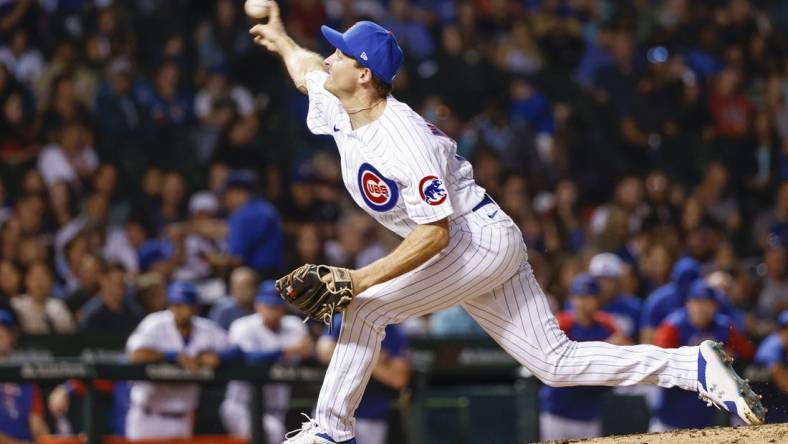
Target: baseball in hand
[(256, 9)]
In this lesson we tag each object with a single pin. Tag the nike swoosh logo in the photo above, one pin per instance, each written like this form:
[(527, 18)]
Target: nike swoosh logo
[(336, 129), (491, 215)]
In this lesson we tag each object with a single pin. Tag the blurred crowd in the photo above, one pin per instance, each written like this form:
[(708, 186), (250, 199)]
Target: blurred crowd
[(144, 142)]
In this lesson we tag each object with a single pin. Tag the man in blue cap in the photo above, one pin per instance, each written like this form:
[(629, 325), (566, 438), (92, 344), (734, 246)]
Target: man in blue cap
[(698, 320), (671, 296), (267, 336), (459, 247), (576, 412), (178, 336)]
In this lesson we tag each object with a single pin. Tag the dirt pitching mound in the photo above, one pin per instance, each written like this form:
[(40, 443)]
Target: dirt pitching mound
[(765, 434)]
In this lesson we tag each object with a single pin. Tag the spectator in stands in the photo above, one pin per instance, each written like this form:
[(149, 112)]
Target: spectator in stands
[(774, 294), (608, 269), (202, 206), (22, 411), (113, 311), (267, 336), (240, 302), (170, 110), (389, 377), (18, 146), (25, 61), (575, 412), (88, 276), (667, 298), (38, 311), (178, 336), (253, 231), (10, 283), (772, 354), (71, 159), (60, 108), (151, 292), (121, 119), (700, 319)]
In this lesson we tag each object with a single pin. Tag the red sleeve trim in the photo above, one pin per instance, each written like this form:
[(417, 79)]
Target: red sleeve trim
[(667, 336), (740, 345), (36, 404), (606, 321), (565, 320)]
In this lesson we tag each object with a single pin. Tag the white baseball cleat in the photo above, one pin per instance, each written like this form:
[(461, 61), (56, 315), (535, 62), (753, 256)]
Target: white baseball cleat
[(719, 385), (311, 433)]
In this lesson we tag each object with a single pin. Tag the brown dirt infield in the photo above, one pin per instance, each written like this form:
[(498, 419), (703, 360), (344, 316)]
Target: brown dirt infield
[(765, 434)]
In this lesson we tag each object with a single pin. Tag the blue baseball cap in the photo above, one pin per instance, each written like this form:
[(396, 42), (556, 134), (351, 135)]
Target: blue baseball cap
[(700, 290), (244, 179), (782, 320), (372, 45), (267, 295), (584, 285), (180, 292), (7, 319), (685, 272)]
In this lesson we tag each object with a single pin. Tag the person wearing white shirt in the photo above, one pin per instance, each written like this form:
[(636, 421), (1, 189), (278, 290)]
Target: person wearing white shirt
[(178, 336), (266, 336)]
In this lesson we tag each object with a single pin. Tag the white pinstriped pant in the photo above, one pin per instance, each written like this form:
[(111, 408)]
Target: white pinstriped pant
[(485, 269)]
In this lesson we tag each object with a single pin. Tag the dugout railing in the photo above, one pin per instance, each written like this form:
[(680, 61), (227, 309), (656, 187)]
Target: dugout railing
[(451, 377), (460, 390)]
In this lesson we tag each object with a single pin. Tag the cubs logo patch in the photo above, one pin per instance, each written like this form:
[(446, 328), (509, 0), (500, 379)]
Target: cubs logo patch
[(432, 190), (379, 193)]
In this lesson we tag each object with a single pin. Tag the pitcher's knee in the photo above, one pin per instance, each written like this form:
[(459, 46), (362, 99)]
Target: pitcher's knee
[(370, 311)]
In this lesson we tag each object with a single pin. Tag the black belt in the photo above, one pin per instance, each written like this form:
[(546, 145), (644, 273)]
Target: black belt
[(487, 200), (169, 415)]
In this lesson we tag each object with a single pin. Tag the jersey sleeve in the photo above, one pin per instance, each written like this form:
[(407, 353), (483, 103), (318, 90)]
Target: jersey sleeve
[(144, 336), (219, 338), (423, 170), (324, 107), (238, 336)]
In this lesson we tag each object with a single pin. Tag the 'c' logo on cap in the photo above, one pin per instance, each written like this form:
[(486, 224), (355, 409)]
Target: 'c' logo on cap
[(364, 56)]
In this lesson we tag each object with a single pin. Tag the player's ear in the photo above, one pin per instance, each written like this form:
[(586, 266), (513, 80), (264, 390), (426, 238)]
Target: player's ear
[(365, 76)]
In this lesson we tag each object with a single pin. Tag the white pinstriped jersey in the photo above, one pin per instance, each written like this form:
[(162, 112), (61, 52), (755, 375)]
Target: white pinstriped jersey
[(251, 335), (158, 332), (400, 169)]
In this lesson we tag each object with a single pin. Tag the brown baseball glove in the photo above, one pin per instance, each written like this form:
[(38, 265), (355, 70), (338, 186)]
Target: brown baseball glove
[(305, 289)]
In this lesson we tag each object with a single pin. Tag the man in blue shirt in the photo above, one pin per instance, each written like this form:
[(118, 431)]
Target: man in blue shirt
[(700, 319), (773, 355), (390, 376), (253, 230), (671, 297), (576, 412), (625, 309)]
